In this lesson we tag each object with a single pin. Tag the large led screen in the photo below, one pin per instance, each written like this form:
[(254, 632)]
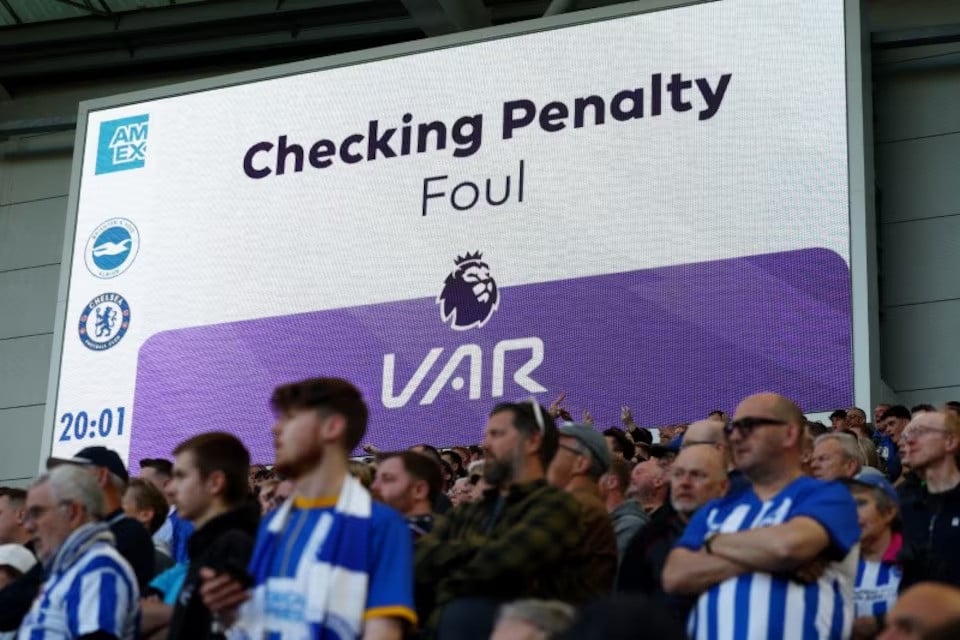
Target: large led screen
[(650, 211)]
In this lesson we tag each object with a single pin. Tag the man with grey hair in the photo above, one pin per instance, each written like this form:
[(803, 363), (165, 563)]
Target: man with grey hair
[(836, 456), (582, 457), (133, 541), (533, 620), (91, 591)]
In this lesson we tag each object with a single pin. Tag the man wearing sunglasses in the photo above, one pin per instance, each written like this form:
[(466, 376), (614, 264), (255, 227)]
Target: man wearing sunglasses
[(516, 542), (778, 558)]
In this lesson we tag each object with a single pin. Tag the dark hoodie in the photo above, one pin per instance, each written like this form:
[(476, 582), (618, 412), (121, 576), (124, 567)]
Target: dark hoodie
[(223, 544)]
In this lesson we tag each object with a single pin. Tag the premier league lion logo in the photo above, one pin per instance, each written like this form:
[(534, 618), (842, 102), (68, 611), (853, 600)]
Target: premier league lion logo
[(469, 295)]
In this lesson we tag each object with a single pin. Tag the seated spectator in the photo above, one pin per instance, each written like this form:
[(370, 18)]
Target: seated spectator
[(409, 482), (836, 456), (91, 591), (921, 610), (132, 540), (889, 431), (441, 503), (789, 538), (619, 444), (533, 620), (931, 539), (697, 476), (144, 503), (514, 543), (710, 432), (461, 492), (210, 486), (15, 561), (649, 480), (838, 420), (17, 597), (878, 575), (329, 562), (453, 459), (158, 471), (627, 516), (878, 412), (581, 460)]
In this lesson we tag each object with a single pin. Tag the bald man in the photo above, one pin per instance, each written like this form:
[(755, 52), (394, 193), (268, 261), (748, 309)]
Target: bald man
[(921, 610), (789, 538), (931, 511), (697, 476), (710, 432)]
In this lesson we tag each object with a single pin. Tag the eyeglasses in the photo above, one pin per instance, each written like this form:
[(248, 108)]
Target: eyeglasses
[(34, 513), (746, 426), (918, 432)]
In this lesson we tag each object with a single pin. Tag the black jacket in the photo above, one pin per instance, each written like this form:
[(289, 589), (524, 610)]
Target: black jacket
[(18, 596), (135, 545), (931, 535), (223, 544), (645, 557)]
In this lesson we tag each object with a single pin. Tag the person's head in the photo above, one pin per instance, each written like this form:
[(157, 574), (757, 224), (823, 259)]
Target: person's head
[(316, 418), (532, 620), (615, 483), (519, 442), (428, 450), (766, 436), (838, 419), (920, 610), (362, 472), (143, 502), (619, 444), (12, 505), (878, 506), (922, 408), (407, 481), (836, 455), (650, 480), (209, 475), (708, 432), (60, 502), (156, 471), (455, 461), (856, 417), (717, 415), (878, 412), (893, 421), (697, 475), (15, 560), (461, 492), (268, 490), (106, 466), (931, 439), (582, 454), (465, 456)]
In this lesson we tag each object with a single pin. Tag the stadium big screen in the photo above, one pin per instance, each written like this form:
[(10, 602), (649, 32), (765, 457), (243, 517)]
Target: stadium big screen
[(648, 210)]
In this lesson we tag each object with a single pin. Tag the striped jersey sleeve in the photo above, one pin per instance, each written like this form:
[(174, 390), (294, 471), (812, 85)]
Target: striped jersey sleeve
[(100, 599)]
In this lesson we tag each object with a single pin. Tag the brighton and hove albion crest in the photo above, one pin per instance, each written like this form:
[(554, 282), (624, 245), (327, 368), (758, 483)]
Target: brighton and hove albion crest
[(112, 247), (469, 295), (104, 321)]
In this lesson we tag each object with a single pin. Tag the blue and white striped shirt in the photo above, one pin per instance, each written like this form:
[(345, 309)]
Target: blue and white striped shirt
[(758, 605), (90, 588), (876, 587)]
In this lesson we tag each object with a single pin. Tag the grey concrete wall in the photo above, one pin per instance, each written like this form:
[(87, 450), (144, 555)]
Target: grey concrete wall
[(917, 152)]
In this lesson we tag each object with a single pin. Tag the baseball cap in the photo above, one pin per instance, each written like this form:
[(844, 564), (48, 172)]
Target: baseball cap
[(874, 478), (592, 440), (95, 457), (16, 556)]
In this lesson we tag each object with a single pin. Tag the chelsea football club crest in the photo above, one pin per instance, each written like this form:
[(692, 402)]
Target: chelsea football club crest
[(104, 321), (112, 247)]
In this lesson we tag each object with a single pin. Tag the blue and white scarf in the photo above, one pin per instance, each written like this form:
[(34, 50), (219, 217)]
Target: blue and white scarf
[(327, 596)]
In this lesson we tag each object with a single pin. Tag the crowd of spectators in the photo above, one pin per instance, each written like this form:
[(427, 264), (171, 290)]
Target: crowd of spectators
[(760, 524)]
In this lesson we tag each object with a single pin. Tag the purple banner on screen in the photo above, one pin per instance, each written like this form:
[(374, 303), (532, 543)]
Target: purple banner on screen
[(671, 342)]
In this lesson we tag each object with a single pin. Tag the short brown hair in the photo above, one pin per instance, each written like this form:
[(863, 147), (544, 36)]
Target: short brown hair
[(420, 467), (147, 496), (218, 451), (327, 396)]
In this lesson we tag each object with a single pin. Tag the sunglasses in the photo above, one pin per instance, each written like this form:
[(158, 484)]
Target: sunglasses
[(746, 426)]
